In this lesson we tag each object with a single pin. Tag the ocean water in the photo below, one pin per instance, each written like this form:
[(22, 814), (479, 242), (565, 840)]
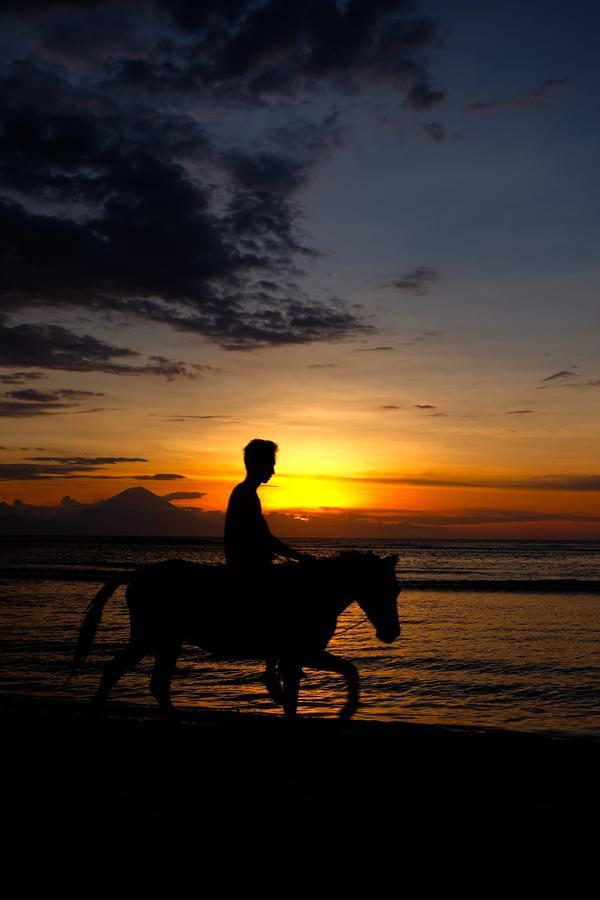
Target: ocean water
[(494, 634)]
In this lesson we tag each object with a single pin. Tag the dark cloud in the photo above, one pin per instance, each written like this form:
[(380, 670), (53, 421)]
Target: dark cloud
[(87, 460), (31, 9), (35, 396), (519, 412), (572, 483), (564, 373), (485, 105), (29, 402), (74, 394), (356, 523), (594, 382), (310, 141), (373, 349), (55, 347), (417, 281), (182, 418), (185, 495), (266, 172), (118, 201), (423, 406), (255, 51), (323, 366), (32, 395), (390, 406), (530, 99), (487, 516), (48, 467), (160, 365), (434, 131), (21, 377), (421, 96), (26, 410), (22, 472), (161, 476), (30, 472), (91, 37)]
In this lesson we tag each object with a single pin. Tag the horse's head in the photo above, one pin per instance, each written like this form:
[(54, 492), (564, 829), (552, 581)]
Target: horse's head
[(376, 592)]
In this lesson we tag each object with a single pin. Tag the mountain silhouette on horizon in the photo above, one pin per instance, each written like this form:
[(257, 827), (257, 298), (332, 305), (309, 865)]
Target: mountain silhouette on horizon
[(135, 498), (132, 512), (135, 510)]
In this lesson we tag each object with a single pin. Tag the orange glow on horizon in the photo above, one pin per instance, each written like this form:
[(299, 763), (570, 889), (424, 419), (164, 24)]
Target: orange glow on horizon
[(319, 482)]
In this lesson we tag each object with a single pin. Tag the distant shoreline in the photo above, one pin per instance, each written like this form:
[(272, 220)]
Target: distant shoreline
[(527, 585)]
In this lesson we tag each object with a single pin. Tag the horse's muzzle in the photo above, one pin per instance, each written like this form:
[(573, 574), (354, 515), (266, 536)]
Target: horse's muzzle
[(388, 634)]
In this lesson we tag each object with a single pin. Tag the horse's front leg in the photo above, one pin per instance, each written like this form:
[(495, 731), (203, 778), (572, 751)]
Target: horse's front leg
[(270, 679), (291, 674), (330, 663)]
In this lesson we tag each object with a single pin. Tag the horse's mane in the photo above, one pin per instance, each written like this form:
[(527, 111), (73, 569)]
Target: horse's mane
[(352, 556), (346, 561)]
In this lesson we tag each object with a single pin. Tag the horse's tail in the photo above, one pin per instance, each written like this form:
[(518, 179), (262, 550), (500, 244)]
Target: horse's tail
[(91, 619)]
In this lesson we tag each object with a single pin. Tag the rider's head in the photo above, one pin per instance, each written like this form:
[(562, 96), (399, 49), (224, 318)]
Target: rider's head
[(259, 458)]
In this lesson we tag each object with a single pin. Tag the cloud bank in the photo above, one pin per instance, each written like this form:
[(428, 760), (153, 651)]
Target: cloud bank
[(120, 197)]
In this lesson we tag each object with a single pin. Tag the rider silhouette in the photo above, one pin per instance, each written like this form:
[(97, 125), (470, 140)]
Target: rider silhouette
[(249, 545), (250, 548)]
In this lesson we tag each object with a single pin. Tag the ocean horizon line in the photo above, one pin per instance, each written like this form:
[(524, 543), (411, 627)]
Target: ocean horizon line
[(312, 539)]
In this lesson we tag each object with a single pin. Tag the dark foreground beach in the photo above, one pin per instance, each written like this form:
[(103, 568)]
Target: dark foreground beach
[(224, 805)]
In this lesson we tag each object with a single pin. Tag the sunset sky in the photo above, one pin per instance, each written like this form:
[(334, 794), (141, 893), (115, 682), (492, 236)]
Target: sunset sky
[(368, 231)]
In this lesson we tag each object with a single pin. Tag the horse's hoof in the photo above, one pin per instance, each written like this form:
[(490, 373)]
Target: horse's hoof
[(274, 689), (347, 711)]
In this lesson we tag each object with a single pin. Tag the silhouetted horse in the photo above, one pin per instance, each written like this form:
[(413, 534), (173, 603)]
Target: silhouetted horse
[(292, 618)]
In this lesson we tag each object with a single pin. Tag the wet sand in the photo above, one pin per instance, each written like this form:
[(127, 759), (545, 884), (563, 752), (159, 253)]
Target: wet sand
[(224, 805)]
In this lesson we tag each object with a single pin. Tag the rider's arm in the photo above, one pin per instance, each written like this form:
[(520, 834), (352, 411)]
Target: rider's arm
[(275, 545), (281, 549)]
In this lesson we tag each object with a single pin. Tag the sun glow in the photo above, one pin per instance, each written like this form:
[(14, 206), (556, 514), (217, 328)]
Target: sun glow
[(304, 492)]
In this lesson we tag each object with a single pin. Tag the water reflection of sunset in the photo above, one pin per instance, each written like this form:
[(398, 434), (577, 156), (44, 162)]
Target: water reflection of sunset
[(487, 659)]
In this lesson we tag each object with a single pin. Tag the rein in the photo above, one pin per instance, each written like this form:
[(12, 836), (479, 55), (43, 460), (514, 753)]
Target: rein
[(361, 621)]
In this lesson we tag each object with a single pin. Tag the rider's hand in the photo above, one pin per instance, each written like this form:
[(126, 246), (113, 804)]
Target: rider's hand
[(306, 557)]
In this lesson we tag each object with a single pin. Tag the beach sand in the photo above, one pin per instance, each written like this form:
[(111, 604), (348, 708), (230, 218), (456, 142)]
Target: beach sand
[(229, 805)]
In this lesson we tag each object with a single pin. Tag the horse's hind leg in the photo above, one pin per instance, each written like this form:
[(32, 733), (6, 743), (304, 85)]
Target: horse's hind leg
[(164, 668), (123, 659)]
